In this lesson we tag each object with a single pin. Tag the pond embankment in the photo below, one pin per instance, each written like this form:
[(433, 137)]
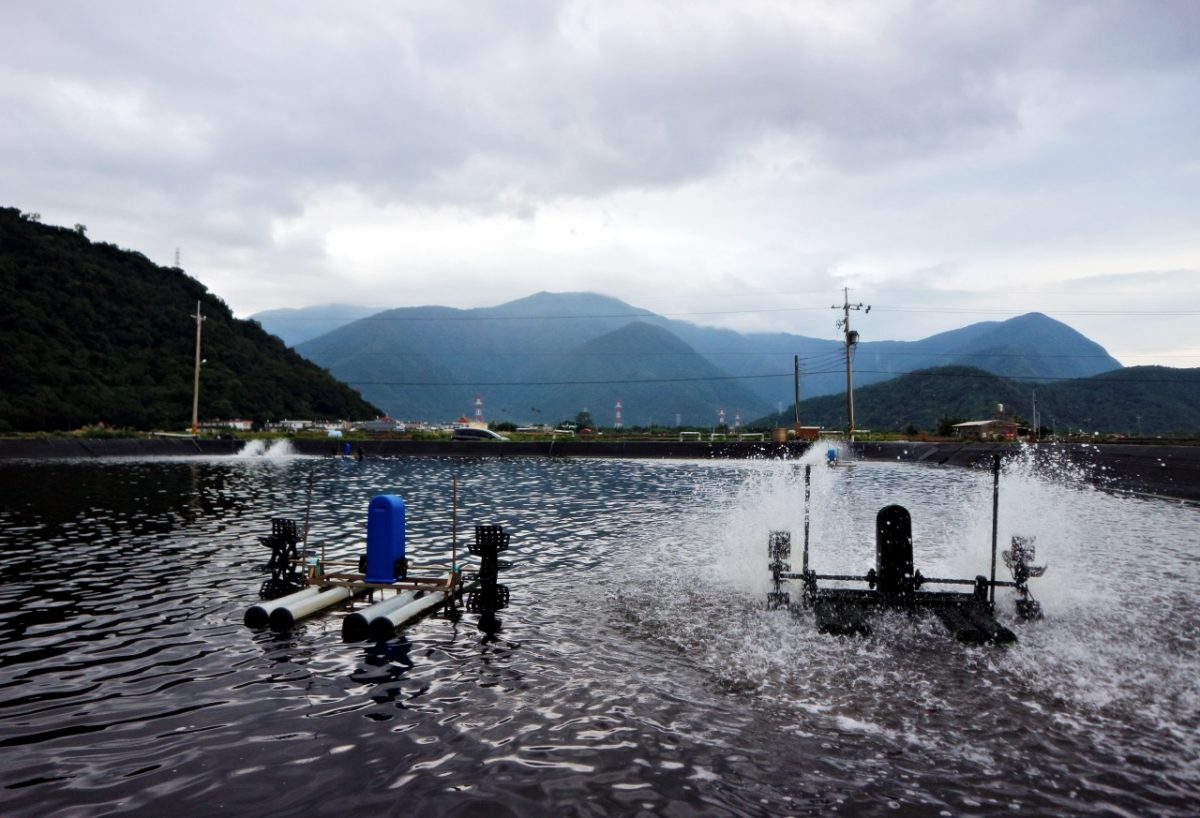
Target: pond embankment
[(1156, 470), (59, 448), (1161, 471)]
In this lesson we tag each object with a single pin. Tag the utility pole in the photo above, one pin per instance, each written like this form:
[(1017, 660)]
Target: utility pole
[(796, 390), (851, 339), (196, 384)]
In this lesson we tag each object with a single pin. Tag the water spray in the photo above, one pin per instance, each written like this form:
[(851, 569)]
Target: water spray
[(894, 583)]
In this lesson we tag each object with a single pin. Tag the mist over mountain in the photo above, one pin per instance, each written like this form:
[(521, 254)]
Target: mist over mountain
[(297, 325), (550, 355)]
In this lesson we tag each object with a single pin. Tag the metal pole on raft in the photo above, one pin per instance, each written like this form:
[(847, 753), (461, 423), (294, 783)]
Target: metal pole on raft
[(307, 511), (807, 482), (995, 522), (454, 526)]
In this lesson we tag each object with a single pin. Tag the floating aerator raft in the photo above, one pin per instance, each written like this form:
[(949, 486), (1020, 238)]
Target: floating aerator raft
[(302, 584), (893, 584)]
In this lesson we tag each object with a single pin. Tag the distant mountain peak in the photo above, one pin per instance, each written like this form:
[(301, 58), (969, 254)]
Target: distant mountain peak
[(640, 336), (580, 304)]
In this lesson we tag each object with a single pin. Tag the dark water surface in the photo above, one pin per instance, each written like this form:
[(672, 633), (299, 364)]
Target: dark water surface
[(635, 673)]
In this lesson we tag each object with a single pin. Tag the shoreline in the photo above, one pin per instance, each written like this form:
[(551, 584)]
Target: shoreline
[(1165, 472), (74, 448), (1162, 471)]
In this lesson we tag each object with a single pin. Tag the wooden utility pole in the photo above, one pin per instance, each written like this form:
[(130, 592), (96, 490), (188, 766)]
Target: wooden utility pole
[(851, 339), (196, 383), (796, 390)]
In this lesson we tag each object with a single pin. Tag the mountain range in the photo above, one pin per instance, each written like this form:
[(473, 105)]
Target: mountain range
[(92, 333), (550, 355)]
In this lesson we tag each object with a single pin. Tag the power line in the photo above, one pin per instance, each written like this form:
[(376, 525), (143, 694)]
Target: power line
[(1025, 378), (810, 364), (472, 314), (703, 379), (622, 381), (824, 356), (1018, 312)]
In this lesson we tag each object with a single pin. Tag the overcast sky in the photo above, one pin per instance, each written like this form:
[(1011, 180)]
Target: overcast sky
[(733, 164)]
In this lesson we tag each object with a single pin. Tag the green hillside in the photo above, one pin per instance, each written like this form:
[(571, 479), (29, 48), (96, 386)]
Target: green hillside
[(1147, 400), (1142, 400), (94, 334)]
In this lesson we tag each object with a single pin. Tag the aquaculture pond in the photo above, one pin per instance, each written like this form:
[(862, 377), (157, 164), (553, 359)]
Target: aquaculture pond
[(636, 670)]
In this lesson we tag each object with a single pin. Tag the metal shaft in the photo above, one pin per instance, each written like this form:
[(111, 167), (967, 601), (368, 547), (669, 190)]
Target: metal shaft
[(995, 522), (807, 493)]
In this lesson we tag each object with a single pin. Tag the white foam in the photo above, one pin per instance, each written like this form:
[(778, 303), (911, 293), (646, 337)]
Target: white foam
[(1113, 650), (267, 448)]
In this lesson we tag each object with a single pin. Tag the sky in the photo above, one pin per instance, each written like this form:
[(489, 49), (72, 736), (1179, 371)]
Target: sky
[(730, 164)]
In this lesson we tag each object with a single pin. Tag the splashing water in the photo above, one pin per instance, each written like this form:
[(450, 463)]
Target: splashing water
[(267, 448), (1110, 672)]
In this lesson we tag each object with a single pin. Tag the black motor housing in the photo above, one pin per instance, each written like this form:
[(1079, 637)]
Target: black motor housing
[(893, 550)]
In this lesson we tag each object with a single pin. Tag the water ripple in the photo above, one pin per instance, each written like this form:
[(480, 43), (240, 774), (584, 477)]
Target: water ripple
[(635, 672)]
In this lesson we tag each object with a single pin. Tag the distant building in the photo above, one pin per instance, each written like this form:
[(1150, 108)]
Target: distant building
[(237, 424), (383, 424), (986, 430), (465, 422), (1002, 426), (332, 425)]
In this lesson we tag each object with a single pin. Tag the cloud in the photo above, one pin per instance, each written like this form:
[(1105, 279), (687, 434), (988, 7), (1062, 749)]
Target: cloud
[(470, 103), (681, 153)]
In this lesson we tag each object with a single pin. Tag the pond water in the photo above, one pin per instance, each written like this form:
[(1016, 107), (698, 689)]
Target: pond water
[(636, 671)]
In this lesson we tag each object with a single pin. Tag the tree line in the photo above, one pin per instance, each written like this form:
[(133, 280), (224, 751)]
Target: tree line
[(96, 334)]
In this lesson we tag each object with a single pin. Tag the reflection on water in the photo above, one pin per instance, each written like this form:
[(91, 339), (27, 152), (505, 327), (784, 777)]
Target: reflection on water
[(635, 671)]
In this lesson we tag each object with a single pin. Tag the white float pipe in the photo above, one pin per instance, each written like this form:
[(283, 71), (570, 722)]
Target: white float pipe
[(284, 616), (384, 627), (355, 625), (258, 615)]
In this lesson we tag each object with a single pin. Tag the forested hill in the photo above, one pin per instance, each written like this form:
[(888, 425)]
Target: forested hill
[(92, 334), (1136, 401)]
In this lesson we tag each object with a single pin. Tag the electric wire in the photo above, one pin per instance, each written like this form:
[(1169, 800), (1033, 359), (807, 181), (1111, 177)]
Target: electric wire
[(932, 373)]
